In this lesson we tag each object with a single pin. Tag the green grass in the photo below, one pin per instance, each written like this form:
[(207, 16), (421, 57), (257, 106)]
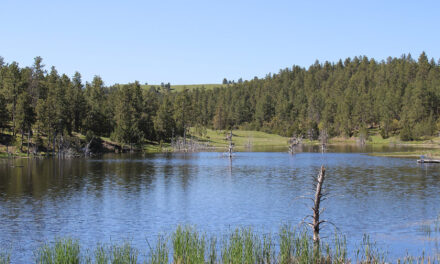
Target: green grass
[(159, 254), (241, 138), (62, 251), (256, 140), (186, 245), (123, 254), (5, 258)]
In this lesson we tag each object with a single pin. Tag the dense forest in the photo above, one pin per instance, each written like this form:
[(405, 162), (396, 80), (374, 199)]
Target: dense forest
[(400, 96)]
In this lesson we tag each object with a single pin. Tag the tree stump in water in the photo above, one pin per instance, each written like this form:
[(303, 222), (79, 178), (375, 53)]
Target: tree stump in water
[(316, 208)]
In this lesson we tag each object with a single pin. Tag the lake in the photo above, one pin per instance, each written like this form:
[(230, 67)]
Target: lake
[(137, 197)]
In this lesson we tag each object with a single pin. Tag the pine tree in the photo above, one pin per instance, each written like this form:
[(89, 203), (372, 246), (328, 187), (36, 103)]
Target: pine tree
[(164, 124), (11, 85), (78, 102), (127, 115), (95, 120), (183, 114), (4, 115), (25, 116)]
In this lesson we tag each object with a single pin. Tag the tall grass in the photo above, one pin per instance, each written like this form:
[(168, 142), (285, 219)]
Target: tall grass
[(123, 254), (188, 246), (5, 258), (369, 252), (240, 246), (160, 253), (62, 251), (101, 255)]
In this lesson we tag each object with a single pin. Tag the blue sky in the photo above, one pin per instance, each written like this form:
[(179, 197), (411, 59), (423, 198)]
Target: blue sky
[(186, 42)]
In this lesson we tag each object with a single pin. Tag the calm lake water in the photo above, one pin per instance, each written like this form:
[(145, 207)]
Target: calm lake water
[(137, 197)]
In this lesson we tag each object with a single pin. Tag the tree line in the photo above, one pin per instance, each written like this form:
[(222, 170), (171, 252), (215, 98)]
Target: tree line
[(400, 96)]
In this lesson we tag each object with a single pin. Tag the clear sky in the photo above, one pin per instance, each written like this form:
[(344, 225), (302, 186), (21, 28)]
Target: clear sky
[(186, 42)]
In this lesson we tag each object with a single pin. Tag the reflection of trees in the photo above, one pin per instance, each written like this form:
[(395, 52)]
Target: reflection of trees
[(37, 178), (400, 182), (55, 178), (133, 175)]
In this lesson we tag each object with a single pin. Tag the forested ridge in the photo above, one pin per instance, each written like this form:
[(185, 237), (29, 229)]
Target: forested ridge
[(400, 96)]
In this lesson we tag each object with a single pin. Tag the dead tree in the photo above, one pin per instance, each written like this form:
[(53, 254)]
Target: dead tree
[(294, 141), (231, 145), (316, 222), (323, 137)]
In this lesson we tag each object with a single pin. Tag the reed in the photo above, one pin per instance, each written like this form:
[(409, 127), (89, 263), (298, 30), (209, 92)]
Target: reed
[(5, 258), (188, 246), (64, 250), (123, 254), (268, 253), (160, 253), (101, 255), (241, 246)]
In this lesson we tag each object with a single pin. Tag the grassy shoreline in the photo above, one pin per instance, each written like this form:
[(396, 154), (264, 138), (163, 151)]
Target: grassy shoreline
[(241, 245), (246, 140)]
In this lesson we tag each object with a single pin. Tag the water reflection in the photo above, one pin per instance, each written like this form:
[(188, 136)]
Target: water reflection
[(138, 196)]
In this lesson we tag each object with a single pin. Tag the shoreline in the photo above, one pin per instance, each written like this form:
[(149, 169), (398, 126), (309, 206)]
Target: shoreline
[(247, 140)]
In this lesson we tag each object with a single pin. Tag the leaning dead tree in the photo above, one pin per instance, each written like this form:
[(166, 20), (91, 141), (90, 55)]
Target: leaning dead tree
[(316, 222)]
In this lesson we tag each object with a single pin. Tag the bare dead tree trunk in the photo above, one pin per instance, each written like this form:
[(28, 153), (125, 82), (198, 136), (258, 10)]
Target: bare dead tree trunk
[(316, 208)]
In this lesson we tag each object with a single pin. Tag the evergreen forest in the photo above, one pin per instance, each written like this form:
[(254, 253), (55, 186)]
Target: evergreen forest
[(398, 96)]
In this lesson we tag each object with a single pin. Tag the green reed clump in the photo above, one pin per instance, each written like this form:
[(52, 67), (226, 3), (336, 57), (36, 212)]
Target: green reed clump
[(101, 255), (232, 248), (212, 251), (369, 252), (296, 247), (123, 254), (159, 254), (287, 242), (340, 250), (5, 258), (62, 251), (303, 249), (188, 246), (241, 246), (268, 253)]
